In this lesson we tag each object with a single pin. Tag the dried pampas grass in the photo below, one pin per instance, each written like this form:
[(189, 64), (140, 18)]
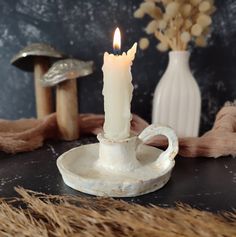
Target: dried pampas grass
[(47, 215)]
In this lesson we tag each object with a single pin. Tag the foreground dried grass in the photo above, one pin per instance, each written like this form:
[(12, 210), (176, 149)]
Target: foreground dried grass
[(47, 215)]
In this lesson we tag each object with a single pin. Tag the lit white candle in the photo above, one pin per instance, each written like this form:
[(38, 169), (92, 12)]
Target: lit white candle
[(117, 91)]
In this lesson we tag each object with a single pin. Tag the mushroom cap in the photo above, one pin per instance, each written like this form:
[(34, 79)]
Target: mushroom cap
[(25, 58), (67, 69)]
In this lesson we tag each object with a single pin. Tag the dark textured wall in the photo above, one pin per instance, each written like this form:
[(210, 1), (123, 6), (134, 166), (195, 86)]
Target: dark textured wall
[(84, 29)]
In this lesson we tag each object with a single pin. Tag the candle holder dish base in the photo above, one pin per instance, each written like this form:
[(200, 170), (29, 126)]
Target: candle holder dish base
[(79, 171), (125, 168)]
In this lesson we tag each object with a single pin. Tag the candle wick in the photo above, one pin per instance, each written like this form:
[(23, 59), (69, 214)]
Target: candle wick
[(116, 51)]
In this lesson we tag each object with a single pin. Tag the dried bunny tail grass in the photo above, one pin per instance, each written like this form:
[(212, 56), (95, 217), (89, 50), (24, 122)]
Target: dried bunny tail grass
[(201, 41), (143, 43), (196, 30), (212, 10), (139, 13), (204, 20), (151, 27), (204, 6), (163, 47), (166, 2), (162, 24), (187, 24), (172, 9), (195, 2), (185, 37), (186, 10), (177, 22), (57, 216), (151, 9), (147, 7), (164, 40)]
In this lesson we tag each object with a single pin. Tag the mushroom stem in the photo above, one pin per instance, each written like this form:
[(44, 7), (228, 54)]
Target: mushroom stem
[(67, 110), (43, 95)]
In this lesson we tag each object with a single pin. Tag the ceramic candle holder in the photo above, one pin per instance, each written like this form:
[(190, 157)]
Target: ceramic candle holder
[(123, 168), (118, 156)]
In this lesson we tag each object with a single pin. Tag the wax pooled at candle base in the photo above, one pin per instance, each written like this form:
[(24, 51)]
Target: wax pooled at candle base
[(117, 91)]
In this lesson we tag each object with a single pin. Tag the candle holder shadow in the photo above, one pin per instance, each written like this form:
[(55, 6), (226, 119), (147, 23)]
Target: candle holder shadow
[(124, 168)]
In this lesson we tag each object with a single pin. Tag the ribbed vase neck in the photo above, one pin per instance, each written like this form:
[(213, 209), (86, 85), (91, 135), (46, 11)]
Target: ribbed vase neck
[(179, 59)]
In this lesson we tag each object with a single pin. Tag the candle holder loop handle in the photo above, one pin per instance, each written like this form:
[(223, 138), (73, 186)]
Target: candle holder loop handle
[(155, 130)]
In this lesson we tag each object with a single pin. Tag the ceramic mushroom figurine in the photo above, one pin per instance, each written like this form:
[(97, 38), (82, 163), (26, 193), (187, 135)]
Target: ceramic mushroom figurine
[(35, 57), (63, 74)]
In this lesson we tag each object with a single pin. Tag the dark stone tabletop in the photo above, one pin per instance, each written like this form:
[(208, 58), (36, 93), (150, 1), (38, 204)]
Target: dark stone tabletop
[(204, 183)]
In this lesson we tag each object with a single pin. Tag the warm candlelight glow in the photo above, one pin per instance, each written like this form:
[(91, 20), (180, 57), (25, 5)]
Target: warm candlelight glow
[(117, 39)]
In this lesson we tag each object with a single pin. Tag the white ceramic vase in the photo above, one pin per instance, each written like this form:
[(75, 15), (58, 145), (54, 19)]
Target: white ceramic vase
[(177, 98)]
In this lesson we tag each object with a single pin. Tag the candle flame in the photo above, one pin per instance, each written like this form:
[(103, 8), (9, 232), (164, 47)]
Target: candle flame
[(117, 39)]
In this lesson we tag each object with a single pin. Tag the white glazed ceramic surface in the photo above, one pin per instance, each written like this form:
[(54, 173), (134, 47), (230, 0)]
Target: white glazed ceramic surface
[(177, 99), (120, 169)]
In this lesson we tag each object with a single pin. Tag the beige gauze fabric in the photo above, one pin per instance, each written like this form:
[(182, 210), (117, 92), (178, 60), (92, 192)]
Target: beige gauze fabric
[(219, 141), (29, 134)]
